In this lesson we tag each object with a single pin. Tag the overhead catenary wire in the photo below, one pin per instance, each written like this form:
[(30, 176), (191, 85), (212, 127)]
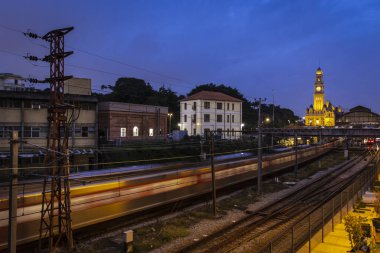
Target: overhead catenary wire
[(140, 160)]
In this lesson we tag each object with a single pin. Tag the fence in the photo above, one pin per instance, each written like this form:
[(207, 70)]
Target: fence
[(307, 232)]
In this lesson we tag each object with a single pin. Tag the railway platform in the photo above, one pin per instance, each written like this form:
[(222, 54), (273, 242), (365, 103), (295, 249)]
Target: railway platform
[(338, 242)]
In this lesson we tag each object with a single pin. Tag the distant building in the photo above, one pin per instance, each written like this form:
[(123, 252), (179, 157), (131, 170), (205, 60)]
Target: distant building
[(26, 111), (124, 121), (359, 116), (321, 113), (11, 82), (211, 111), (79, 86)]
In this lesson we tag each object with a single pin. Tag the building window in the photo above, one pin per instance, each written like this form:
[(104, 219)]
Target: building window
[(194, 131), (84, 131), (206, 118), (135, 131), (219, 106), (233, 132), (6, 131), (193, 118), (233, 119), (184, 118), (228, 132), (219, 118), (207, 105), (233, 106), (31, 132), (194, 106), (185, 106), (206, 131), (150, 131), (123, 132), (228, 118), (228, 106), (10, 103)]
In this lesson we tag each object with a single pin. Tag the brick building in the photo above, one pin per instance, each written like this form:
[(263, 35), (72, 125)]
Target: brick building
[(124, 121)]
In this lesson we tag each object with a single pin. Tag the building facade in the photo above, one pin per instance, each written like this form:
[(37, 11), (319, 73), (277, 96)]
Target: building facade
[(211, 111), (11, 82), (26, 111), (123, 121), (359, 116), (321, 113)]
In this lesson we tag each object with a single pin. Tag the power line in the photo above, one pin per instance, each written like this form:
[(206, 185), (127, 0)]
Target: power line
[(34, 36), (128, 65)]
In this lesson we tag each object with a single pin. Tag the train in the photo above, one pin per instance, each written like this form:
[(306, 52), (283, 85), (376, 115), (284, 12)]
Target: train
[(104, 201)]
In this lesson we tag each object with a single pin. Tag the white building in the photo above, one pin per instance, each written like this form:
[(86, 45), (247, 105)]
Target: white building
[(11, 82), (211, 111)]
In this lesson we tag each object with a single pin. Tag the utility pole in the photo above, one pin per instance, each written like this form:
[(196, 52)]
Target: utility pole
[(296, 154), (272, 117), (259, 148), (12, 220), (55, 223), (212, 153)]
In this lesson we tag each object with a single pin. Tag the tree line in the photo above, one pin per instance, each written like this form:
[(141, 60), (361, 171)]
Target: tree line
[(133, 90)]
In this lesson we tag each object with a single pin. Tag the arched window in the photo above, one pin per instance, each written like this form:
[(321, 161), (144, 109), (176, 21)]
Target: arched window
[(135, 131)]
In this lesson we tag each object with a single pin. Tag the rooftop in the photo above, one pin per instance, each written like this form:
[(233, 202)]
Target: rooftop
[(211, 95)]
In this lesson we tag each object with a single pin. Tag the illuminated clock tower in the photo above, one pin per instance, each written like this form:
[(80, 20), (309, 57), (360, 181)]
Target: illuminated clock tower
[(319, 91)]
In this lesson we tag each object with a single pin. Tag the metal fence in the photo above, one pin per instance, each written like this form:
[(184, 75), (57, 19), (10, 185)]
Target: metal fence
[(310, 230)]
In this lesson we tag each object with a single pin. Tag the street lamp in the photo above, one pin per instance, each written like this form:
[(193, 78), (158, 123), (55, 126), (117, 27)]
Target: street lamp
[(170, 121), (179, 125), (267, 120)]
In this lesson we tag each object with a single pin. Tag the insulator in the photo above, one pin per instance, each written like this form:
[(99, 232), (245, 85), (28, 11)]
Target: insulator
[(31, 35)]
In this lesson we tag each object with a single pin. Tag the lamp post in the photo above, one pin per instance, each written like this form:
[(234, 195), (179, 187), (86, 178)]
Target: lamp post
[(170, 121)]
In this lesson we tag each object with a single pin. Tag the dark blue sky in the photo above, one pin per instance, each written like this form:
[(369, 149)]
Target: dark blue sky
[(254, 46)]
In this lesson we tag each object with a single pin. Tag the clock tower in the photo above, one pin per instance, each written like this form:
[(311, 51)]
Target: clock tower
[(319, 91)]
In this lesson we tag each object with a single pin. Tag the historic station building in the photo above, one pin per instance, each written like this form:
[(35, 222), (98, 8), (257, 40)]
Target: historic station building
[(321, 113)]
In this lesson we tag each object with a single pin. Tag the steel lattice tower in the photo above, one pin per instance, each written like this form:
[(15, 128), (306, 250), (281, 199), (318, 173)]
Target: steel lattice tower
[(55, 224)]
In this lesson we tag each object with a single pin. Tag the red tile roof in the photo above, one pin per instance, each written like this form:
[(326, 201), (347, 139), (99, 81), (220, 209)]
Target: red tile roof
[(211, 95)]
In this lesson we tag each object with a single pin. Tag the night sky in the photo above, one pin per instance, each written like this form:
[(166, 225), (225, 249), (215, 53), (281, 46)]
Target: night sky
[(254, 46)]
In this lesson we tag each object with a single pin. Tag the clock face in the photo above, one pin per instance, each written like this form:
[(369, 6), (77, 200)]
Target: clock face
[(318, 88)]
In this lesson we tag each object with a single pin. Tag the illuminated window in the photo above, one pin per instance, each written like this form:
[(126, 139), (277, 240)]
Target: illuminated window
[(135, 131), (123, 132), (150, 131)]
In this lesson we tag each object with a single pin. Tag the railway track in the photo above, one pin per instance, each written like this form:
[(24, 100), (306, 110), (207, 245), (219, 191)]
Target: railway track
[(257, 229), (102, 202)]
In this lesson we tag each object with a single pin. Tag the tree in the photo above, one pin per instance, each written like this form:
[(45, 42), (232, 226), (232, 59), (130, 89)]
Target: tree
[(283, 116), (133, 90), (353, 226)]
